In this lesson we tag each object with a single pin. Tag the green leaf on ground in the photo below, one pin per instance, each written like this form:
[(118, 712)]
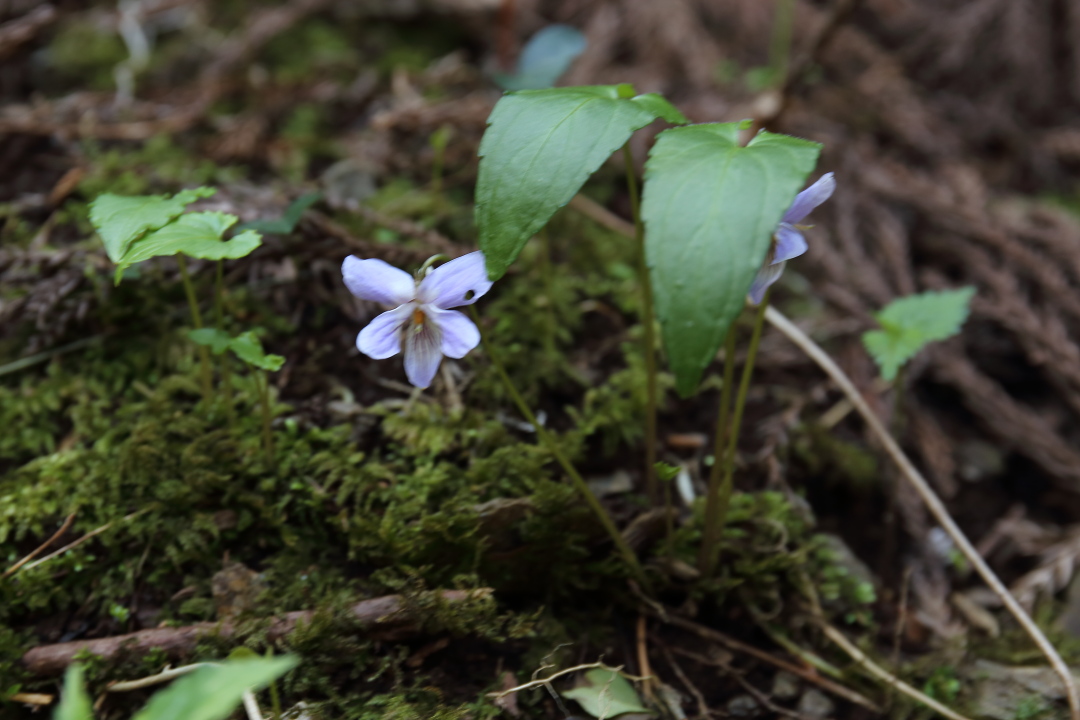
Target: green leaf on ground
[(74, 702), (540, 148), (212, 693), (247, 347), (121, 220), (287, 222), (909, 324), (710, 208), (608, 694), (197, 235)]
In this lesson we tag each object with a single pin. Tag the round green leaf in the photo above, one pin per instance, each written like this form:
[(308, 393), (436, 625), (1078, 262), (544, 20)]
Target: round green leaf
[(540, 148), (710, 208)]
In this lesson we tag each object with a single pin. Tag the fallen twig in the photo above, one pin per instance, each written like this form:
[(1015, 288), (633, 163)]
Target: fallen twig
[(385, 616), (882, 674), (936, 507), (84, 538)]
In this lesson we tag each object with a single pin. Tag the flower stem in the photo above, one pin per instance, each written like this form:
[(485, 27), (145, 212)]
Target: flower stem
[(710, 536), (560, 457), (196, 318), (724, 501), (219, 316), (262, 379), (649, 323)]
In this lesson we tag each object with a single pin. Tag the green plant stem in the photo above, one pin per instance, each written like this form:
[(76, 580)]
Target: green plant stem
[(724, 501), (226, 370), (196, 318), (262, 379), (710, 535), (780, 43), (568, 467), (649, 323)]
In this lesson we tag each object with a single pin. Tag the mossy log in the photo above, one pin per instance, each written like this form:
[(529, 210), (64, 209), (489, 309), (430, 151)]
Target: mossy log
[(384, 617)]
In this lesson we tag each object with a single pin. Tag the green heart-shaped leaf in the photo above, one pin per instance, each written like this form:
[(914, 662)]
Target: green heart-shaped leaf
[(121, 220), (710, 208), (540, 148), (608, 694), (197, 235)]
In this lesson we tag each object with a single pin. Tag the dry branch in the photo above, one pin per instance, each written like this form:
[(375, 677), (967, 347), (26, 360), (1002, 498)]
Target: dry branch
[(384, 617)]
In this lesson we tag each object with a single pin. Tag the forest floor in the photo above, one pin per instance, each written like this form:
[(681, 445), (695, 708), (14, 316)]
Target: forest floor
[(954, 132)]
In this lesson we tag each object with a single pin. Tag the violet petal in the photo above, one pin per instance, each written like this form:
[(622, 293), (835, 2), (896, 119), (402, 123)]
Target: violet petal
[(461, 281), (790, 243), (377, 281), (810, 198), (766, 277), (423, 352), (382, 337), (459, 334)]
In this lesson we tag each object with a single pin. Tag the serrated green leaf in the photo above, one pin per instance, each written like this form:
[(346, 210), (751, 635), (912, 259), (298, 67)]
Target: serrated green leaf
[(540, 148), (197, 235), (607, 695), (217, 340), (74, 702), (212, 693), (247, 347), (911, 323), (120, 220), (287, 222), (710, 209)]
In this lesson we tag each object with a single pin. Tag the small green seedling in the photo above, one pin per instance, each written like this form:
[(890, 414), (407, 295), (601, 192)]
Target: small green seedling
[(141, 227), (909, 324), (606, 695), (247, 347), (211, 692)]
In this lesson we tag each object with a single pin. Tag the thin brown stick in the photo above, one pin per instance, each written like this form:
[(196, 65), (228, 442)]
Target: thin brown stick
[(737, 675), (809, 675), (936, 507), (40, 548), (84, 538), (643, 658), (702, 706)]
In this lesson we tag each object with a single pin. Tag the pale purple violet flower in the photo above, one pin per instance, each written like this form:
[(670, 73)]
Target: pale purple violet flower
[(422, 323), (788, 241)]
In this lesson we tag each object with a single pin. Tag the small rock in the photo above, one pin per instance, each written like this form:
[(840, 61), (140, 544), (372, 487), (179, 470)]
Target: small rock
[(785, 686), (743, 706), (815, 704)]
